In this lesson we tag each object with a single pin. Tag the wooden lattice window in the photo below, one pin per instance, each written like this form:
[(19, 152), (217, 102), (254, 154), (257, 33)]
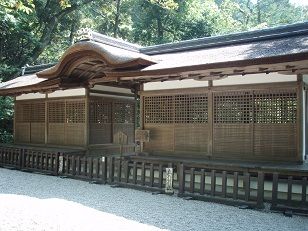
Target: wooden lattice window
[(56, 112), (275, 107), (233, 107), (158, 109), (191, 108), (100, 111), (124, 112), (75, 111), (38, 112), (23, 112)]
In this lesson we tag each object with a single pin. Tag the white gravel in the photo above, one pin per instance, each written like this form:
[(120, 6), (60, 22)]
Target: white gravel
[(38, 202)]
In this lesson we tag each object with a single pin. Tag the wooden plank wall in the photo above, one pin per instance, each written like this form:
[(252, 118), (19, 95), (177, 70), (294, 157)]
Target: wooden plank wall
[(256, 122), (110, 116)]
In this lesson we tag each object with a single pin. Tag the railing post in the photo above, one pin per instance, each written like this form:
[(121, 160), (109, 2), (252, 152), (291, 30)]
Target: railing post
[(181, 175), (275, 190), (104, 170), (21, 157), (111, 169), (260, 195)]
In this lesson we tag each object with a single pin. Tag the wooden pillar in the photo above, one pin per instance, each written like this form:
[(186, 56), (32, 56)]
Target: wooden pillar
[(46, 119), (87, 119), (210, 122), (141, 112), (14, 122), (300, 118)]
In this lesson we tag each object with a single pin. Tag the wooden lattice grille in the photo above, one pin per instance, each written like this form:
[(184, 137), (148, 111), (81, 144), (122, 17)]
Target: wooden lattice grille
[(30, 121), (124, 112), (233, 107), (182, 108), (256, 123), (100, 111), (276, 107), (56, 112), (75, 111), (66, 122), (110, 117), (177, 122), (158, 109)]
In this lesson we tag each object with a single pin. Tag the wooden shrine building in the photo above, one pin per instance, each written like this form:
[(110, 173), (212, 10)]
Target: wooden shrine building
[(233, 97)]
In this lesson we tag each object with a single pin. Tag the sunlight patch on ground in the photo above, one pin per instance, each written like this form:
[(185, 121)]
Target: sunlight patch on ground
[(20, 212)]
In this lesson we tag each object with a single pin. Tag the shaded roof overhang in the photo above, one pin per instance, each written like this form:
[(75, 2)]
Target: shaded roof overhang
[(99, 59)]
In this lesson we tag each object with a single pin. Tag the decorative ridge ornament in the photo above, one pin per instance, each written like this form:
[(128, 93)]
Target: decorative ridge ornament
[(84, 34)]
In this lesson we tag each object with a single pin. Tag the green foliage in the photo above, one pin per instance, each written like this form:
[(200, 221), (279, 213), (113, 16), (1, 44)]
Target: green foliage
[(6, 122)]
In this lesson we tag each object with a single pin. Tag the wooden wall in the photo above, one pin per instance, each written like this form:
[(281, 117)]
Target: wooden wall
[(251, 122), (108, 117), (62, 120)]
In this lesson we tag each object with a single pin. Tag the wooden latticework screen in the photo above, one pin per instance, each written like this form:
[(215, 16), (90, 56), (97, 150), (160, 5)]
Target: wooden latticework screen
[(177, 122), (66, 122), (30, 122), (255, 124), (109, 117)]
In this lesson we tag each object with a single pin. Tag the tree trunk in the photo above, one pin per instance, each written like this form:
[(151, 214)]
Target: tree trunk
[(117, 19)]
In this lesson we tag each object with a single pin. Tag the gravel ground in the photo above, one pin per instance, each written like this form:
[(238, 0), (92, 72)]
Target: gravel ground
[(37, 202)]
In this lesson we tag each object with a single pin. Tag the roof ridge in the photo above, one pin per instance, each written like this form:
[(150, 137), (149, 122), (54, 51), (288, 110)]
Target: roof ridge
[(229, 39)]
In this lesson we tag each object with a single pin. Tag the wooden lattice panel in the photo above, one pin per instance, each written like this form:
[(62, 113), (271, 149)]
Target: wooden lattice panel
[(158, 109), (275, 106), (75, 111), (123, 112), (100, 111), (56, 111), (23, 112), (191, 108), (38, 112), (233, 107)]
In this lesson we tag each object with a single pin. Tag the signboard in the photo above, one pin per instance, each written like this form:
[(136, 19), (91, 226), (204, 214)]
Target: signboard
[(169, 180)]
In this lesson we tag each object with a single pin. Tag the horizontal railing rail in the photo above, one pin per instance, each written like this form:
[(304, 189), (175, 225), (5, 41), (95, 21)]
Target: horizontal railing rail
[(252, 187)]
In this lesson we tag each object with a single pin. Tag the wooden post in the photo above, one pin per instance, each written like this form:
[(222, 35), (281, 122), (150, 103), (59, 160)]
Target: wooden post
[(90, 167), (235, 185), (192, 180), (46, 119), (160, 175), (14, 122), (224, 184), (202, 183), (141, 113), (134, 173), (73, 165), (181, 175), (111, 169), (290, 181), (142, 173), (151, 175), (104, 170), (210, 122), (300, 119), (247, 185), (275, 190), (213, 182), (304, 189), (260, 195), (87, 120)]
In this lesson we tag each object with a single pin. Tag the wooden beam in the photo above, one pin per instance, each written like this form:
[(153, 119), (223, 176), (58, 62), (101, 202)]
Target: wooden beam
[(300, 119)]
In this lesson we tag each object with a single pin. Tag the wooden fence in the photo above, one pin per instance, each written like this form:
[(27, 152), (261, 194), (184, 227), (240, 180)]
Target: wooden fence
[(283, 191)]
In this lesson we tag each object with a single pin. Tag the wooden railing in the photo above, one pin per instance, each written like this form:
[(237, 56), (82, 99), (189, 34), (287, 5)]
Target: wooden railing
[(251, 187)]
